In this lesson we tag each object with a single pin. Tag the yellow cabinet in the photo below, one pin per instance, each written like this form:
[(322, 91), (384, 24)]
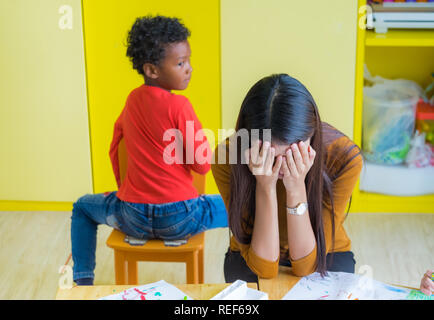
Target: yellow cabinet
[(407, 54), (44, 145)]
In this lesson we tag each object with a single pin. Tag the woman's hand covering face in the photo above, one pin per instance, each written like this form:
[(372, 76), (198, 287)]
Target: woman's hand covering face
[(299, 158), (260, 160)]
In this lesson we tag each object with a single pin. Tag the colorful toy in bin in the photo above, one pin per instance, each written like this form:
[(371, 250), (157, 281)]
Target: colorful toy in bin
[(420, 154), (425, 120), (389, 108)]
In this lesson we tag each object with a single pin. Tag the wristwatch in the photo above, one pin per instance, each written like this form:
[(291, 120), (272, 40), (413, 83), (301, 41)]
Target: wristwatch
[(299, 210)]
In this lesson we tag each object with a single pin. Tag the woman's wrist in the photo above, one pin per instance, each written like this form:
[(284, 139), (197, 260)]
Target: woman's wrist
[(295, 196), (268, 189)]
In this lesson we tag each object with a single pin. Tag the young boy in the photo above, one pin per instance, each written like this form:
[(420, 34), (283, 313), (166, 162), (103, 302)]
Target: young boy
[(157, 198)]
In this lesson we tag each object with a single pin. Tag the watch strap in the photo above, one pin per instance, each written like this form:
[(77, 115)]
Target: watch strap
[(299, 210)]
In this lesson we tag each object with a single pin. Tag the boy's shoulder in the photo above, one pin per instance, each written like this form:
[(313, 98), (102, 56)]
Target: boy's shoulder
[(176, 102), (179, 99), (161, 95)]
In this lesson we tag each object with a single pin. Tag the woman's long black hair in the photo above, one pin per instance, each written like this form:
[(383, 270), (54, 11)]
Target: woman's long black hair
[(282, 104)]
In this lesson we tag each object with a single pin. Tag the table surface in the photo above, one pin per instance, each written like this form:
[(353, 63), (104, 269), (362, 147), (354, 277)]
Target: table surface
[(285, 280), (279, 286), (196, 291), (276, 288)]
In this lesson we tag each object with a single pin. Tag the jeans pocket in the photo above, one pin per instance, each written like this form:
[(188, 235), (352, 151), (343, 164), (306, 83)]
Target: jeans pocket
[(135, 213), (138, 207), (135, 222), (171, 217), (183, 229)]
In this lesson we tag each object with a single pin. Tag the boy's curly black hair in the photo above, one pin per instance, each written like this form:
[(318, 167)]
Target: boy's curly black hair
[(149, 36)]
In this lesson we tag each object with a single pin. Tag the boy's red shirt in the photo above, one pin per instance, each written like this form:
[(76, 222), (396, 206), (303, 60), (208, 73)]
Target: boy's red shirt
[(148, 113)]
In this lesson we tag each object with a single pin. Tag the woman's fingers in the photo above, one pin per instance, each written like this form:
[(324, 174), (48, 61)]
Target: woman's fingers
[(268, 166), (302, 147), (261, 158), (284, 166), (290, 162), (255, 153), (264, 150), (297, 158), (279, 162)]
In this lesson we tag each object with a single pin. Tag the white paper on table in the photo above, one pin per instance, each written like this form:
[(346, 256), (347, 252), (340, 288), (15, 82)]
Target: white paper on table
[(160, 290), (239, 291), (343, 286)]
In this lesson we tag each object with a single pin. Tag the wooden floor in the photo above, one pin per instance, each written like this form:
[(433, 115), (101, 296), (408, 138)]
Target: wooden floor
[(399, 248)]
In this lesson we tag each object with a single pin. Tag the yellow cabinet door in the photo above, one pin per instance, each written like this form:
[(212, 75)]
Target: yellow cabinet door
[(44, 144)]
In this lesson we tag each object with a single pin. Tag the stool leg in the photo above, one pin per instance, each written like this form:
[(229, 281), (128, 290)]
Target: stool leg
[(201, 267), (192, 265), (120, 268), (132, 272)]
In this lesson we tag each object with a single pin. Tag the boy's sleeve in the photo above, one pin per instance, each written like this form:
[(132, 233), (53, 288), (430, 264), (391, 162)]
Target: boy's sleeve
[(114, 148), (197, 152)]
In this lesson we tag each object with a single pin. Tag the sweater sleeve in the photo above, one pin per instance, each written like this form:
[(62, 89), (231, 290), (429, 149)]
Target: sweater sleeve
[(197, 152), (306, 265), (261, 267), (342, 189)]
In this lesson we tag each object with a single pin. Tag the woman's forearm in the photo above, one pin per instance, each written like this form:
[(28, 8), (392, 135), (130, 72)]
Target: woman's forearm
[(265, 236), (301, 239)]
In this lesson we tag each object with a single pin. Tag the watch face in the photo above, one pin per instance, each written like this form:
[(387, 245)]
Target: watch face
[(301, 209)]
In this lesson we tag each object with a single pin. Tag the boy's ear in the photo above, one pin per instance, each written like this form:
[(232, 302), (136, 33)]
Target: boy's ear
[(151, 71)]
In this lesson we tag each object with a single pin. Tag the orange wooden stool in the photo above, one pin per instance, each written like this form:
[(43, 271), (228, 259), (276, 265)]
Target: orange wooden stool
[(127, 256)]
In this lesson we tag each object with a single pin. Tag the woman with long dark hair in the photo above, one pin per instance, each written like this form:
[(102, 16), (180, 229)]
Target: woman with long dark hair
[(287, 191)]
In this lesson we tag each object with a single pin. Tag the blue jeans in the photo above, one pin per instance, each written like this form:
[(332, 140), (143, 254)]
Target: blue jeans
[(169, 221)]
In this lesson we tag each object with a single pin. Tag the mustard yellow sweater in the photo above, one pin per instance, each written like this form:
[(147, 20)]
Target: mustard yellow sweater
[(346, 171)]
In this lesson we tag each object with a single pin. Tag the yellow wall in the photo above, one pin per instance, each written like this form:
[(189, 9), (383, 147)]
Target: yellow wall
[(315, 43), (110, 76), (257, 38), (45, 156)]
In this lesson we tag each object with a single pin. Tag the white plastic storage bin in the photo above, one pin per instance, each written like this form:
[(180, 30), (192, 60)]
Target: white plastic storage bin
[(396, 180), (389, 110)]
